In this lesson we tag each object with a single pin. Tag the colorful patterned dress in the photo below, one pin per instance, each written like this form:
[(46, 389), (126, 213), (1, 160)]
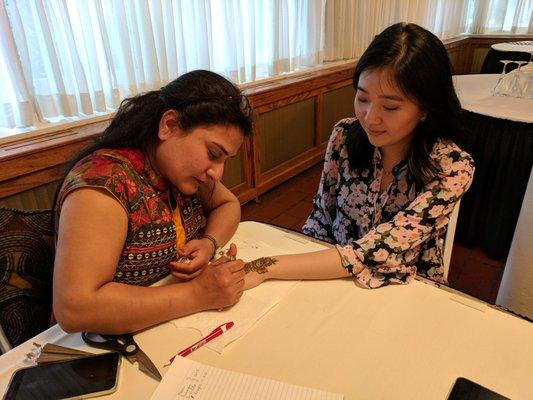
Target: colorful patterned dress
[(388, 237), (153, 225)]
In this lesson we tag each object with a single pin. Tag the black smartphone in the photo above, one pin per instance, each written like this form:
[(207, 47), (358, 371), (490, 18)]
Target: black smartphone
[(73, 379), (465, 389)]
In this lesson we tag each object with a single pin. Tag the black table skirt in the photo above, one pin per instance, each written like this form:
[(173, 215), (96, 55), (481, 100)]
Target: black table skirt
[(503, 154), (492, 64)]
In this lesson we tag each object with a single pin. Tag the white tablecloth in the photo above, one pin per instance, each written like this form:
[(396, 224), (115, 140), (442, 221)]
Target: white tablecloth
[(475, 94), (397, 342), (525, 46)]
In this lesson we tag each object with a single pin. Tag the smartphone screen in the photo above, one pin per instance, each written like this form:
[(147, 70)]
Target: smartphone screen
[(465, 389), (92, 375)]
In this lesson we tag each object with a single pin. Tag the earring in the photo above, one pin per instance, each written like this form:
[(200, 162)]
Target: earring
[(423, 118)]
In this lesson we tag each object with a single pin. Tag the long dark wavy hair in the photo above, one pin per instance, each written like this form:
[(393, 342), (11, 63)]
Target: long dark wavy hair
[(421, 69), (200, 98)]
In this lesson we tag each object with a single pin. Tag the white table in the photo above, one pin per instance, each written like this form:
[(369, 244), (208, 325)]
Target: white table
[(516, 51), (397, 342), (475, 94), (525, 46)]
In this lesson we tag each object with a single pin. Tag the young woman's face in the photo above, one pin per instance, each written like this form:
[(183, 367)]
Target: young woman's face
[(388, 117), (189, 160)]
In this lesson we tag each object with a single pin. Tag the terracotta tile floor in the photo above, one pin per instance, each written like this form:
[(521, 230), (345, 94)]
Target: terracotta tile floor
[(289, 204)]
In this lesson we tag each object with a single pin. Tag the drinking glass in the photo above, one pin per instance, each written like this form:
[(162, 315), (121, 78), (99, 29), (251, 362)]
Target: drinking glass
[(527, 88), (499, 89), (518, 80)]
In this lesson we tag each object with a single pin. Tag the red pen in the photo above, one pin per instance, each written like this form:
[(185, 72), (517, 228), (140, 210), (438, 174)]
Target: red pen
[(219, 330)]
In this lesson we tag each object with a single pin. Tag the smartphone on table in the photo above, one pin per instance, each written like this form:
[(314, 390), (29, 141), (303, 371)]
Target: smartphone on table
[(465, 389), (72, 379)]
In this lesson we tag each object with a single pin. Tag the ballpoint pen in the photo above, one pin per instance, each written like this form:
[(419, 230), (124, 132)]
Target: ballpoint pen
[(219, 330)]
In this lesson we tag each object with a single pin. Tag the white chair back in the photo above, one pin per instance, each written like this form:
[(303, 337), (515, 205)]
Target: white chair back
[(448, 241)]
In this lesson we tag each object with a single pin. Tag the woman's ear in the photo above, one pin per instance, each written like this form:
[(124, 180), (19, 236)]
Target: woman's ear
[(168, 124)]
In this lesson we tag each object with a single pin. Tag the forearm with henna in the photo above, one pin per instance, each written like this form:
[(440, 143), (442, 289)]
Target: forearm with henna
[(260, 265)]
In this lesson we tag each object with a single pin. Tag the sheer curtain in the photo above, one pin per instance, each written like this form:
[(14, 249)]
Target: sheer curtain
[(15, 98), (80, 58), (501, 16), (351, 25), (64, 60)]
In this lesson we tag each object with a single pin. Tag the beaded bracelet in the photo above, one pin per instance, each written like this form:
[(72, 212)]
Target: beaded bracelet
[(212, 240)]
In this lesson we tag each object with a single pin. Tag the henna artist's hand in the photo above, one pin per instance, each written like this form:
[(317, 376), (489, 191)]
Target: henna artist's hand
[(257, 271), (192, 258), (221, 283), (230, 255)]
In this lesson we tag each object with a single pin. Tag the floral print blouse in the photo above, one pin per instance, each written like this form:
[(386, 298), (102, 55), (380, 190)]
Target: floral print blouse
[(389, 237), (149, 201)]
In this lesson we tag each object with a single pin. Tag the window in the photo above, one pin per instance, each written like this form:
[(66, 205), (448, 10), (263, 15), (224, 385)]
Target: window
[(66, 60)]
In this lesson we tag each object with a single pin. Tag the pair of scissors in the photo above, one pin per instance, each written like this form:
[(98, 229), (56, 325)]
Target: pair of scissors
[(126, 346)]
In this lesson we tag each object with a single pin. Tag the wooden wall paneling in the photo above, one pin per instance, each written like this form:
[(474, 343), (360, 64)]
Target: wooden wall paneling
[(255, 160), (271, 92), (319, 119), (286, 132), (247, 191), (456, 49), (234, 170), (287, 142), (291, 168), (465, 56), (338, 104), (39, 160), (38, 198), (478, 57), (27, 182), (244, 193), (455, 59)]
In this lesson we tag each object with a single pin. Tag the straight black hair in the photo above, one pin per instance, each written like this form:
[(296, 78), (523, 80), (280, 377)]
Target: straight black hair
[(200, 97), (421, 69)]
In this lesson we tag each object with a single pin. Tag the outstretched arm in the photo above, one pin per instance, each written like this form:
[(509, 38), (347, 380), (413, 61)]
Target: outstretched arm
[(323, 264)]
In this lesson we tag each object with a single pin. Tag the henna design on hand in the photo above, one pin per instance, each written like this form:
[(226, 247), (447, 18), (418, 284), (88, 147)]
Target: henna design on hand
[(260, 265)]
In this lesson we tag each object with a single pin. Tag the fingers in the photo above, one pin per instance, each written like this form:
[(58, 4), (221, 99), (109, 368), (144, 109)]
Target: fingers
[(228, 279), (184, 276), (185, 250), (232, 251), (185, 270), (230, 272), (236, 267), (224, 259), (189, 248)]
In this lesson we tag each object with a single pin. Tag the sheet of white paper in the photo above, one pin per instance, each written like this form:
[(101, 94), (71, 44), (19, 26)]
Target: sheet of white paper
[(255, 303), (187, 379)]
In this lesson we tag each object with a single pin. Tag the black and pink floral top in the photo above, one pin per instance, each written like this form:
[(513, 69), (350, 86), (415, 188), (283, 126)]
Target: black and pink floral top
[(389, 237)]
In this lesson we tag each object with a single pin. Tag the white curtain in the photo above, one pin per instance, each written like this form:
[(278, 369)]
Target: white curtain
[(501, 16), (352, 24), (80, 58), (65, 60), (16, 107)]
